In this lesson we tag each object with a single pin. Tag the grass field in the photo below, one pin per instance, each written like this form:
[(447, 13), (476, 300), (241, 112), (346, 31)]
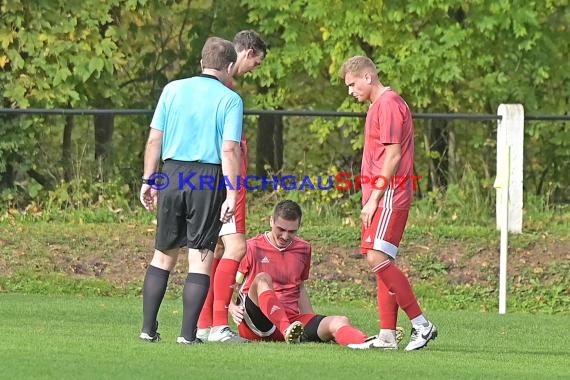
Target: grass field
[(70, 337), (70, 303)]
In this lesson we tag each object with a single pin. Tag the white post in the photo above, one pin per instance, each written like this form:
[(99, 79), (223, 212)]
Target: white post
[(502, 186), (510, 133), (510, 139)]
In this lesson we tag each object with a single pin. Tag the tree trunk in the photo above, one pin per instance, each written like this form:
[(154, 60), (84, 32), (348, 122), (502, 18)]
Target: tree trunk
[(66, 148), (269, 145), (8, 177), (451, 154), (438, 134), (431, 168), (43, 180), (104, 126), (278, 143)]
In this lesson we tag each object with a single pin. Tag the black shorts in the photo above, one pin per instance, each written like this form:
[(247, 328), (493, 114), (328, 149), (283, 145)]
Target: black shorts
[(189, 207), (262, 326)]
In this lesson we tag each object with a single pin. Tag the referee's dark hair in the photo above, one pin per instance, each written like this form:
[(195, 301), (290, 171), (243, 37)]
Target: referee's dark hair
[(288, 210)]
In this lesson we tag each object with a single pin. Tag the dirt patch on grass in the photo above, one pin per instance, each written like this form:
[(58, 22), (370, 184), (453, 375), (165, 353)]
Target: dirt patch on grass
[(455, 260), (120, 254)]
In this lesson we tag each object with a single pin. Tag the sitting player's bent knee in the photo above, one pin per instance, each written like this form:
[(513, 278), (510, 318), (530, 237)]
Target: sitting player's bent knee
[(263, 278)]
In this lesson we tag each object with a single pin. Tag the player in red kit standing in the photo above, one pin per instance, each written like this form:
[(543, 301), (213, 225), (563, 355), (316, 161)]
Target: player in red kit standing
[(213, 321), (388, 153)]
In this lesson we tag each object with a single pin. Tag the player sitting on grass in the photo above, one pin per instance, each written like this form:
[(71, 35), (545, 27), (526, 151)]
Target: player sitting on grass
[(274, 303)]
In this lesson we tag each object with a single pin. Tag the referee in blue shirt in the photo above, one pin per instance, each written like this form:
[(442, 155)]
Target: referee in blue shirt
[(196, 131)]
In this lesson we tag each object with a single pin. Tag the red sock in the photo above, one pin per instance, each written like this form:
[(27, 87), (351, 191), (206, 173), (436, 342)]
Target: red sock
[(272, 308), (349, 334), (387, 306), (398, 283), (224, 281), (205, 319)]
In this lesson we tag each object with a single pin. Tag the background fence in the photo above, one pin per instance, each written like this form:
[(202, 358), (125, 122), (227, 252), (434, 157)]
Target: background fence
[(452, 150)]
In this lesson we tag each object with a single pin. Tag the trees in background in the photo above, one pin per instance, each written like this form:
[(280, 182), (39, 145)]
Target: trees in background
[(115, 54), (442, 56)]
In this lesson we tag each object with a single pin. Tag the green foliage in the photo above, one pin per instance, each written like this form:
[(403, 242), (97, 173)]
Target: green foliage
[(428, 266), (547, 178), (73, 45), (80, 193), (542, 287), (323, 291), (469, 201), (113, 54), (321, 190), (442, 56)]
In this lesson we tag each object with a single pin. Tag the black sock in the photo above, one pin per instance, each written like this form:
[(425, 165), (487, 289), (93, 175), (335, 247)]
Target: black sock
[(155, 282), (193, 298)]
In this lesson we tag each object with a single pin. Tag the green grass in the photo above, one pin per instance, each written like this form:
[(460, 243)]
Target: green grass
[(55, 324), (68, 337)]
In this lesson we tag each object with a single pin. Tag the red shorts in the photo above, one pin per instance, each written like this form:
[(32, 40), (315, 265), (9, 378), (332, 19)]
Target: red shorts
[(240, 211), (237, 223), (385, 231)]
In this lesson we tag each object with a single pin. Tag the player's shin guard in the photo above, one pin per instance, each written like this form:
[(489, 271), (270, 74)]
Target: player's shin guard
[(273, 310), (387, 306), (349, 335)]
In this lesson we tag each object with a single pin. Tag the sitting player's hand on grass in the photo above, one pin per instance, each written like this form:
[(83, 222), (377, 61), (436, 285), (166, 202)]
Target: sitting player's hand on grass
[(236, 312)]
